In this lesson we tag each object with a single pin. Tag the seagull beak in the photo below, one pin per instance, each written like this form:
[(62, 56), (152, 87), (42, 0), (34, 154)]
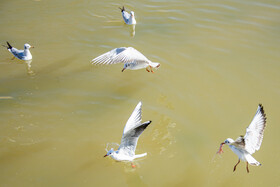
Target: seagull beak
[(32, 47), (123, 69), (105, 155)]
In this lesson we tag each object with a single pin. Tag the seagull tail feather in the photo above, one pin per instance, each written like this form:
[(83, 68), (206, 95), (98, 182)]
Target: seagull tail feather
[(122, 9), (140, 155), (252, 161), (9, 46), (155, 64)]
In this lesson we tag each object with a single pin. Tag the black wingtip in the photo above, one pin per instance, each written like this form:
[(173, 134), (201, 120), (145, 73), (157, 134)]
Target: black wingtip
[(9, 46), (122, 9), (148, 122), (262, 111), (261, 108)]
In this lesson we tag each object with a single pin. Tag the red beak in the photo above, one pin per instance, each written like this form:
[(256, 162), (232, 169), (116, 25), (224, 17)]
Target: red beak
[(123, 69), (105, 155)]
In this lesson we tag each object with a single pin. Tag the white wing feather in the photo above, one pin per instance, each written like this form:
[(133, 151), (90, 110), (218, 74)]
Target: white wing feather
[(120, 55), (254, 132), (135, 118), (129, 140)]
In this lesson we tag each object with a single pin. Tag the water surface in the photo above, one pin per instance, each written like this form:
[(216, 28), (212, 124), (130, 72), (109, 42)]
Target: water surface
[(219, 60)]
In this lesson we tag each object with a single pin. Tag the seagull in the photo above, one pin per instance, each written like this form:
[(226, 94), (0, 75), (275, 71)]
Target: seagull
[(131, 58), (20, 54), (132, 130), (245, 146), (129, 19)]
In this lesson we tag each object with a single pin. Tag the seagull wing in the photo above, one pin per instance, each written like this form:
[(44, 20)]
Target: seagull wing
[(126, 16), (130, 138), (254, 132), (17, 53), (120, 55), (132, 130), (135, 118)]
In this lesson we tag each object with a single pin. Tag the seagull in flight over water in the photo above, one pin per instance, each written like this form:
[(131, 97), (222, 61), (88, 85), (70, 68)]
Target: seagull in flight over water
[(245, 146), (131, 58), (129, 19), (20, 54), (132, 130)]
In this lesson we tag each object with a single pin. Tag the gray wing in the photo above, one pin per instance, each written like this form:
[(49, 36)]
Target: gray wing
[(254, 132), (120, 55), (130, 138), (125, 16), (17, 53)]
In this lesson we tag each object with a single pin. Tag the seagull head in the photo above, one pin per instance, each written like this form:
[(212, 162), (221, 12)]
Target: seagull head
[(126, 66), (228, 141), (109, 152), (132, 13), (27, 46)]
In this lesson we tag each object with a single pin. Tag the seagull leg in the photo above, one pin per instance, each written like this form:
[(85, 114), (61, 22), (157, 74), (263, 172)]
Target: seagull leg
[(247, 167), (132, 165), (147, 69), (151, 69), (234, 168), (13, 58)]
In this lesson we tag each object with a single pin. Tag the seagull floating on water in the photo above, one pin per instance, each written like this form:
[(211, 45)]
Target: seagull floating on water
[(131, 58), (132, 130), (20, 54), (245, 146), (128, 18)]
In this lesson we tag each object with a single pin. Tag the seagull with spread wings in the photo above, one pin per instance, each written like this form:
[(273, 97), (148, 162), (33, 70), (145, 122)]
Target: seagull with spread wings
[(20, 54), (131, 58), (132, 130), (245, 146)]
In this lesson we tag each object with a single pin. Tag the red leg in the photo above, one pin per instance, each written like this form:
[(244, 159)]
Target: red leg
[(151, 69), (147, 69), (236, 165), (247, 167)]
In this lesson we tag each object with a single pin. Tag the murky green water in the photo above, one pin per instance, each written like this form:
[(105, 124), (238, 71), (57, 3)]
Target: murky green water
[(219, 60)]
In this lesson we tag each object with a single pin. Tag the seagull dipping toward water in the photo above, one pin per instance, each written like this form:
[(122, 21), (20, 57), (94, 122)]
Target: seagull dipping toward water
[(129, 19), (20, 54), (132, 130), (245, 146), (131, 58)]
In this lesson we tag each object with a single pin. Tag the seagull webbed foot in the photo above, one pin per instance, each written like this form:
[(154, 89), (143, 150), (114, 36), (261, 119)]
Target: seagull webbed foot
[(132, 165)]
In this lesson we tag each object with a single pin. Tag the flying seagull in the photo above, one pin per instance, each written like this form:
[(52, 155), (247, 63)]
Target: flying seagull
[(132, 130), (20, 54), (129, 19), (245, 146), (131, 58)]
